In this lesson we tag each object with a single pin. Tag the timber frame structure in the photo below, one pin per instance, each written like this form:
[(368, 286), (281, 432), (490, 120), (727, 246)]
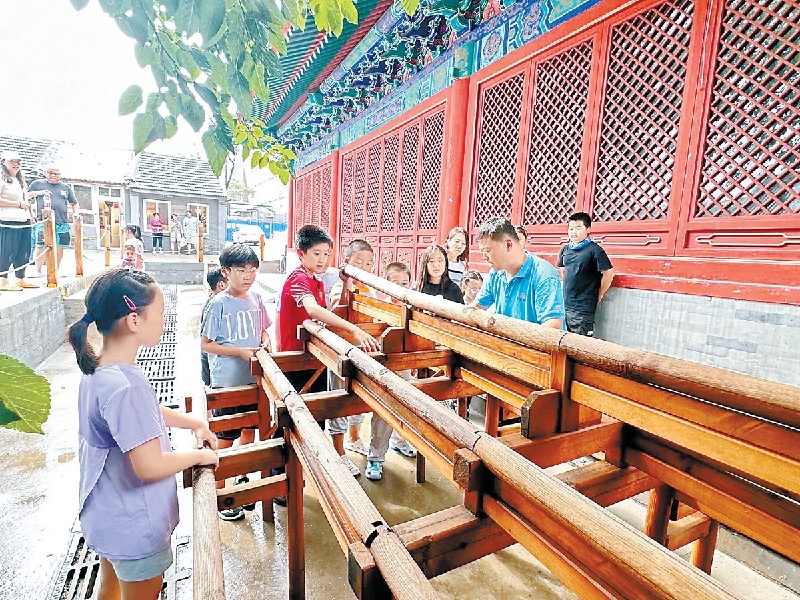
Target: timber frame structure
[(712, 447)]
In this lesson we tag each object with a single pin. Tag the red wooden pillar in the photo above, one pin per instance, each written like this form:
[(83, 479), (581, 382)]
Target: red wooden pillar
[(290, 217), (333, 226), (453, 163)]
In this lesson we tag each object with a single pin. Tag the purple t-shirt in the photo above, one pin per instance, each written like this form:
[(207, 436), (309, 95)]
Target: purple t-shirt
[(122, 517)]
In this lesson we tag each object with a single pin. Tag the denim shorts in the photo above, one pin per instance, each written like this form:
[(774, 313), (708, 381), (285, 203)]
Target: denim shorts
[(61, 233), (142, 569)]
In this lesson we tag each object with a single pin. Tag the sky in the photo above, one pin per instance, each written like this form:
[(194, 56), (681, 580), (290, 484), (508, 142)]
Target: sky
[(62, 73)]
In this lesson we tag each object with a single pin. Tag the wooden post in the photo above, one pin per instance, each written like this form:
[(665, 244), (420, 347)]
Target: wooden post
[(78, 221), (201, 229), (50, 244), (703, 549), (261, 243), (107, 237), (295, 525), (658, 510)]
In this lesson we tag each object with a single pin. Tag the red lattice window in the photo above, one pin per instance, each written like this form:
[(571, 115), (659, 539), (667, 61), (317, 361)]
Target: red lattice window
[(347, 195), (389, 183), (431, 171), (498, 148), (325, 213), (307, 201), (752, 157), (559, 117), (408, 180), (646, 76), (298, 206), (316, 200), (373, 186), (358, 192)]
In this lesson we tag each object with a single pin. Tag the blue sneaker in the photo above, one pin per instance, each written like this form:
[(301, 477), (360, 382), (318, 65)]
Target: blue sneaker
[(374, 470)]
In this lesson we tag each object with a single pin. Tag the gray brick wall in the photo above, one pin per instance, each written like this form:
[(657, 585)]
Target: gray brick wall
[(756, 338), (34, 329)]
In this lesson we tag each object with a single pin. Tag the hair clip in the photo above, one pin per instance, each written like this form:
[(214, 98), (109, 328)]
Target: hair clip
[(129, 303)]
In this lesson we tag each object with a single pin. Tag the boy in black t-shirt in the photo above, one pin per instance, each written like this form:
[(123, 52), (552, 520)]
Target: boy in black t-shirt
[(587, 275)]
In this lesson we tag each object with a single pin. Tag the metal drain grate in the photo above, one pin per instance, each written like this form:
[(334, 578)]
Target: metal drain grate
[(158, 369), (79, 576), (170, 320), (155, 352), (165, 391), (168, 337)]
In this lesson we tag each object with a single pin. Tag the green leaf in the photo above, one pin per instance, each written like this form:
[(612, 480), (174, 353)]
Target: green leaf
[(24, 397), (222, 133), (145, 55), (278, 41), (284, 175), (200, 58), (258, 83), (216, 153), (236, 37), (212, 15), (264, 161), (187, 62), (240, 90), (130, 100), (192, 111), (188, 16), (291, 10), (171, 6), (207, 95), (171, 126), (159, 75), (142, 126), (153, 102), (173, 104), (255, 158), (79, 4), (349, 11)]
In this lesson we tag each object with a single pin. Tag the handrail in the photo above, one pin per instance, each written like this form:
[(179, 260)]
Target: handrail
[(766, 399), (399, 570), (207, 573), (604, 533)]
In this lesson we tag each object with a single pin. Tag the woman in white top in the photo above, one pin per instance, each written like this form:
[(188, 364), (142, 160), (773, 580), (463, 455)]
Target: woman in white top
[(15, 222)]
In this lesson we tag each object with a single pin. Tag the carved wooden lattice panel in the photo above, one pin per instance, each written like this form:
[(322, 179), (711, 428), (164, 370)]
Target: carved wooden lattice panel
[(389, 201), (646, 76), (307, 201), (298, 206), (316, 198), (408, 179), (373, 186), (751, 165), (559, 117), (327, 198), (346, 226), (498, 148), (431, 171), (358, 191)]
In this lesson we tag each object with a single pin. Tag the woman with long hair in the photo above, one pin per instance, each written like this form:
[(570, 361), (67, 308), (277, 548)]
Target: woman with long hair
[(433, 278), (16, 220)]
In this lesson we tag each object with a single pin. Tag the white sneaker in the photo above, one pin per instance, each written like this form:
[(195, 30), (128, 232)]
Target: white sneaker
[(354, 470), (404, 448), (357, 446)]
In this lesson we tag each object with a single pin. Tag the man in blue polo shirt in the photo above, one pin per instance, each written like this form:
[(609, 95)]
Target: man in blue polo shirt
[(520, 285)]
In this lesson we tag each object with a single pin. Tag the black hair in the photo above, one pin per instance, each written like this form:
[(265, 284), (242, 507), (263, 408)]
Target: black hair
[(454, 232), (581, 216), (113, 295), (135, 230), (238, 255), (422, 279), (497, 228), (311, 235), (6, 174), (396, 267), (357, 246), (214, 276)]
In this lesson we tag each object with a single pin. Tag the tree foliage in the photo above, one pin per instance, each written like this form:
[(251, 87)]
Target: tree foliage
[(211, 60), (238, 190), (24, 397)]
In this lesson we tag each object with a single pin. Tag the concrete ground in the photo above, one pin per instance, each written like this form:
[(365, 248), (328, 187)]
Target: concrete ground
[(39, 483)]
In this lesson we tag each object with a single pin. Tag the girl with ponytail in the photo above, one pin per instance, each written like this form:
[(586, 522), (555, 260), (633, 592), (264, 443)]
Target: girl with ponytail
[(128, 494)]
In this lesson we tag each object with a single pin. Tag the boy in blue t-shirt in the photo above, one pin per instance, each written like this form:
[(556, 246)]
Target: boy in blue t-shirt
[(234, 328)]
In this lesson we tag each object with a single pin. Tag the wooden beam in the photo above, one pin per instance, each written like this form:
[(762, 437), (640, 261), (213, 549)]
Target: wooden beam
[(687, 530), (340, 365), (295, 360), (540, 414), (506, 389), (238, 421), (419, 359), (333, 404), (444, 388), (450, 538), (265, 490), (607, 484), (363, 574), (231, 397), (386, 312), (374, 329), (259, 456), (744, 458)]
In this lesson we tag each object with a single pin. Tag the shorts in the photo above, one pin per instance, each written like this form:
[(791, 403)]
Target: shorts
[(580, 322), (142, 569), (340, 424), (233, 434), (62, 234)]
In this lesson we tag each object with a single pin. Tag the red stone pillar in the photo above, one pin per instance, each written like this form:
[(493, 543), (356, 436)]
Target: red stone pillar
[(333, 227), (453, 163), (290, 217)]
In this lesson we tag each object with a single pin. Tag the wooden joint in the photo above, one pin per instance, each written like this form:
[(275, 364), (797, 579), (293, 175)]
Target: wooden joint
[(265, 490), (539, 414), (363, 574), (687, 530), (392, 340)]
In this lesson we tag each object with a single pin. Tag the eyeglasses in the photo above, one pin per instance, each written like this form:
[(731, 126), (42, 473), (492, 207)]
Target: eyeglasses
[(243, 271)]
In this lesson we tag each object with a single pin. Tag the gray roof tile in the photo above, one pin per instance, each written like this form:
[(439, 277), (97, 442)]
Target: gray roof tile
[(174, 175)]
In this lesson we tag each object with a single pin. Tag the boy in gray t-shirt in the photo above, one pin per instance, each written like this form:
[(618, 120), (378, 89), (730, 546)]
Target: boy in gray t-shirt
[(234, 328)]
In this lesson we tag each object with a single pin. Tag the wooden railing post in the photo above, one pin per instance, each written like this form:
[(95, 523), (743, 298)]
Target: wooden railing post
[(107, 241), (201, 229), (50, 245), (78, 221), (261, 244)]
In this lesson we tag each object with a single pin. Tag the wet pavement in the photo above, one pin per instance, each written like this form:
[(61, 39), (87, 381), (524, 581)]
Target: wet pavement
[(38, 490)]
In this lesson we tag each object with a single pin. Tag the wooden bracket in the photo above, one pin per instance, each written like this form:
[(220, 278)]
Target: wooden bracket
[(392, 340), (363, 574), (539, 414), (471, 475)]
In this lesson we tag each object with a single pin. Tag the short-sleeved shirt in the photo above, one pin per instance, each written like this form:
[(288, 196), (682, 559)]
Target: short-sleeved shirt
[(60, 195), (583, 270), (534, 294), (235, 322), (122, 517), (448, 291), (291, 312), (455, 270)]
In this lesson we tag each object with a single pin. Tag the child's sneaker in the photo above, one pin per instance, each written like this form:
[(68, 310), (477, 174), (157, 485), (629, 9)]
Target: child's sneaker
[(231, 514), (404, 448), (354, 470), (357, 446), (244, 479), (374, 470)]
